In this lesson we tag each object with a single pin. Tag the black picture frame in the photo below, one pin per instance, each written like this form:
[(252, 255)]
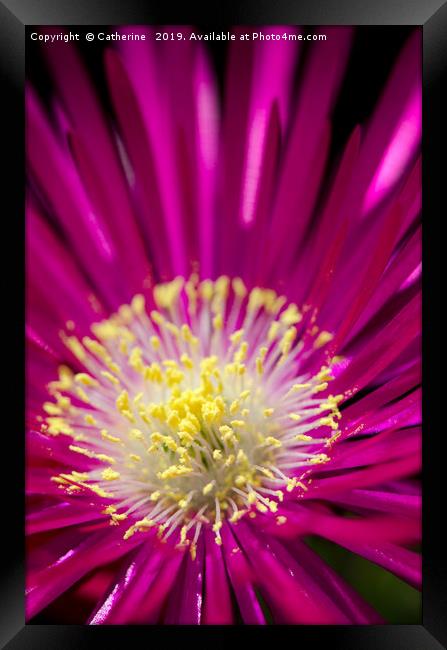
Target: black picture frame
[(15, 15)]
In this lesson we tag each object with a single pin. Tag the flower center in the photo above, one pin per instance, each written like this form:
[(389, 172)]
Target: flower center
[(195, 412)]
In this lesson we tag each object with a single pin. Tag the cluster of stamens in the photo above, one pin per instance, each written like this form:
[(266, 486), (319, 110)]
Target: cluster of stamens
[(194, 412)]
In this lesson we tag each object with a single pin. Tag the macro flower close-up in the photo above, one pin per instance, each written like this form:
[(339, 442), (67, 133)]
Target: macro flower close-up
[(223, 330)]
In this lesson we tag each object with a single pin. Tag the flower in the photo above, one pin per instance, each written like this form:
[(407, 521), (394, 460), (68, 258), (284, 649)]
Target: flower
[(223, 345)]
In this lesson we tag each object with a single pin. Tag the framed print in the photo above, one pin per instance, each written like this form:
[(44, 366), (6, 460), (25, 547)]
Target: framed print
[(225, 421)]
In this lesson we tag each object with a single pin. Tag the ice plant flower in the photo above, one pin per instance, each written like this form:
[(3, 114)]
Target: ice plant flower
[(223, 354)]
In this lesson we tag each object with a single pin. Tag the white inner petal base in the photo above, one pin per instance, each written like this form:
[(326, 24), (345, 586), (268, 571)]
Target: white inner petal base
[(196, 412)]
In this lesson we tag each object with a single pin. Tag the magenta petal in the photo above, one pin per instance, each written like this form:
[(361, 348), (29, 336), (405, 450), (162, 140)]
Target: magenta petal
[(145, 77), (382, 349), (206, 140), (58, 516), (366, 477), (294, 597), (107, 609), (242, 579), (218, 608), (368, 275), (289, 220), (146, 193), (398, 271), (186, 603), (139, 592), (400, 561), (302, 521), (96, 550), (48, 258), (355, 607), (382, 395), (395, 125), (134, 266), (404, 142), (390, 445), (271, 84), (100, 153), (328, 225), (53, 170), (254, 239), (402, 505), (158, 593)]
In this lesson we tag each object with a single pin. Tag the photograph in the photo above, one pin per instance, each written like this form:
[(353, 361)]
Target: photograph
[(223, 320), (223, 256)]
